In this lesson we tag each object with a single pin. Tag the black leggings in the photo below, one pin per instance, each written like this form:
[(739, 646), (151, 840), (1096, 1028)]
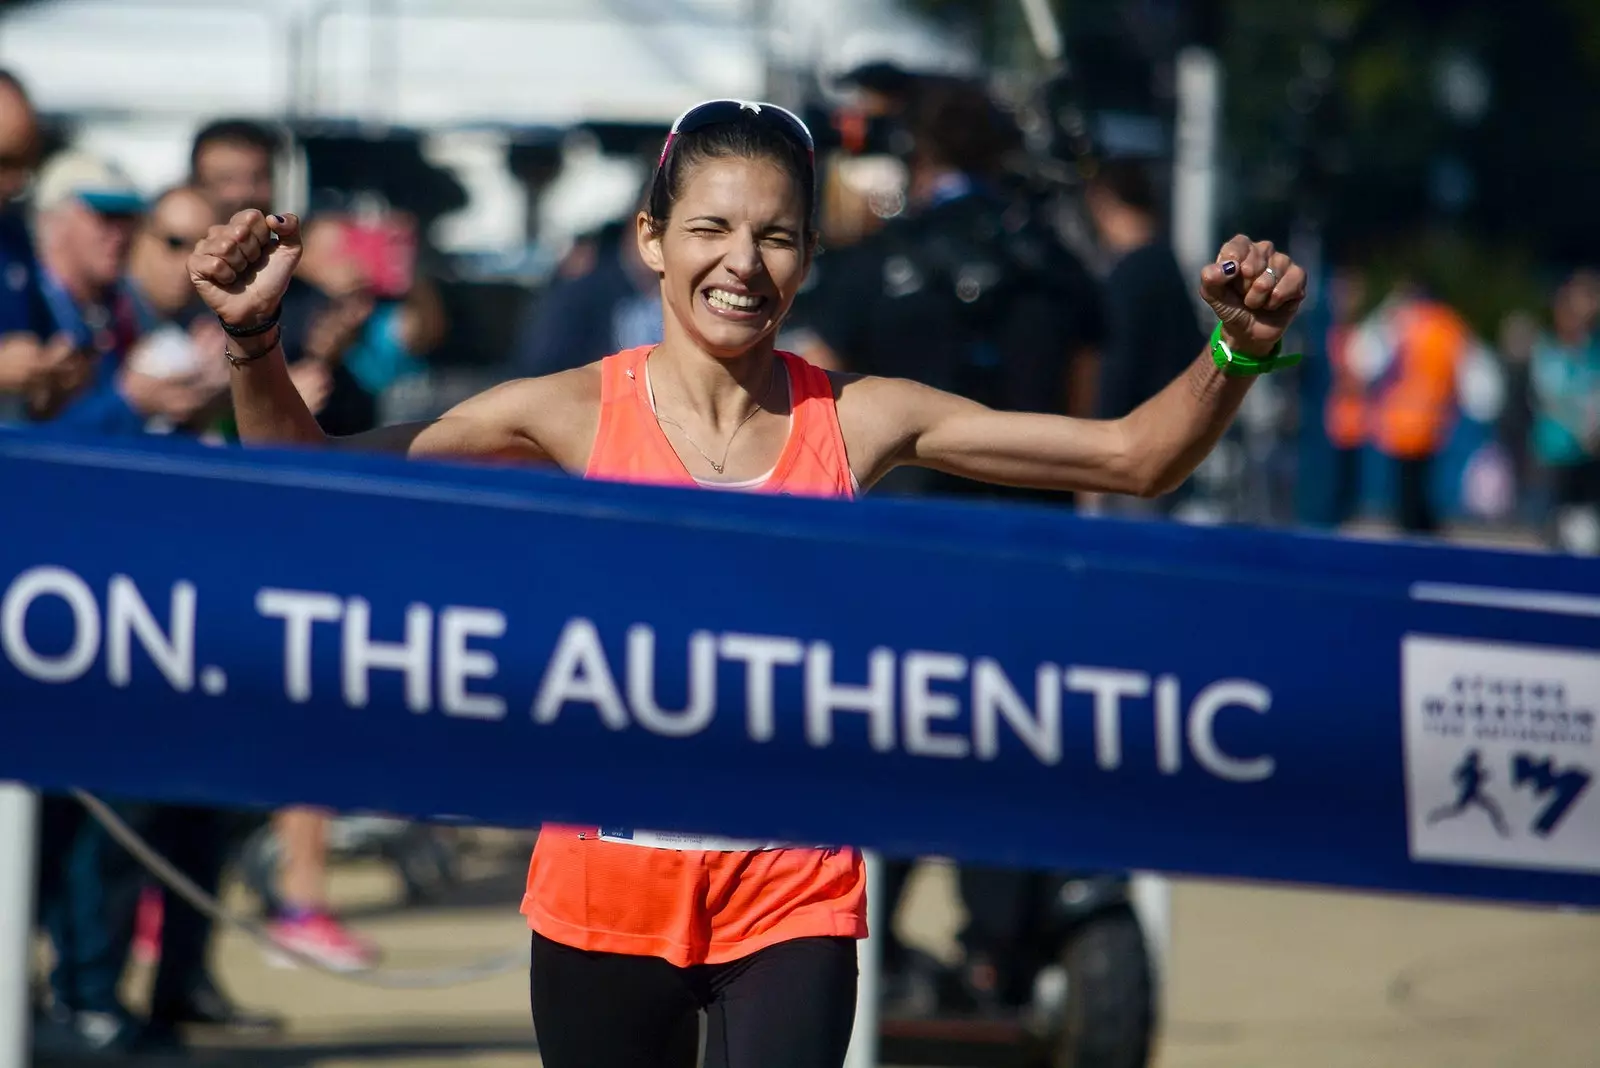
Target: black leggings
[(791, 1005)]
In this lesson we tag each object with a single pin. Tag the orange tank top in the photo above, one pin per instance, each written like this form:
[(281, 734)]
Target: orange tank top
[(696, 899)]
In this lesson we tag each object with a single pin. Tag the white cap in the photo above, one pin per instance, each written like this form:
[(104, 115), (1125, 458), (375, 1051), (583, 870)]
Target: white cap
[(97, 182)]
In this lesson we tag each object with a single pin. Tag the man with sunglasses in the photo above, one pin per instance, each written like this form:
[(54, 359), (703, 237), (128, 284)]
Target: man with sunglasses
[(157, 263), (177, 342)]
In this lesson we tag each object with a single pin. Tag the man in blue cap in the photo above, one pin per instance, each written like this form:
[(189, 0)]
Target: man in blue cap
[(86, 211)]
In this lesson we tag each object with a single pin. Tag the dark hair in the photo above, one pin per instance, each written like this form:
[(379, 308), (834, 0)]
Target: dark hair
[(178, 190), (955, 123), (10, 81), (745, 137), (243, 132), (879, 76), (1128, 180)]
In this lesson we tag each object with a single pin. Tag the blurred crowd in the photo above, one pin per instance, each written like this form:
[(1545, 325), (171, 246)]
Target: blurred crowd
[(1500, 430), (943, 262), (101, 333)]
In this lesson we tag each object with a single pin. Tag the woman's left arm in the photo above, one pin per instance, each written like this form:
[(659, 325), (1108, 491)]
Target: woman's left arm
[(1255, 292)]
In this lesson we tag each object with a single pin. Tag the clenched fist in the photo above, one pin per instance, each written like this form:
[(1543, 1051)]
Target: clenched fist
[(1255, 291), (242, 268)]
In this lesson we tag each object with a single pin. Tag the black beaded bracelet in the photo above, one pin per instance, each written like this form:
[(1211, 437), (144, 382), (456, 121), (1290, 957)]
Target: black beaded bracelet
[(251, 331)]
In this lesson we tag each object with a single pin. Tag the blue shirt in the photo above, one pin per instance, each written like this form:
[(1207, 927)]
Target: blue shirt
[(101, 408), (22, 305), (579, 320)]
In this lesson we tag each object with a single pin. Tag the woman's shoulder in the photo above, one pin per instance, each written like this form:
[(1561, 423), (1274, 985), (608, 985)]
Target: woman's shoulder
[(553, 403), (573, 384), (558, 411)]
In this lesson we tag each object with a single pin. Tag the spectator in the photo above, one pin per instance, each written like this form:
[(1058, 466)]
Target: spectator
[(177, 339), (366, 268), (1519, 332), (36, 362), (1423, 347), (1152, 323), (1565, 386), (881, 88), (966, 291), (607, 301), (19, 139), (231, 162), (90, 910), (86, 212), (158, 264), (90, 907), (863, 183), (1346, 414)]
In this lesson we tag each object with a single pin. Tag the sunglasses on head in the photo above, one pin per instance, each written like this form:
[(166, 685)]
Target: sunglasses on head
[(712, 112)]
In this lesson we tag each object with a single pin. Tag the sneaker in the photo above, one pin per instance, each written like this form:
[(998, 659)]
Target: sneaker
[(325, 940), (207, 1005), (147, 927), (58, 1033)]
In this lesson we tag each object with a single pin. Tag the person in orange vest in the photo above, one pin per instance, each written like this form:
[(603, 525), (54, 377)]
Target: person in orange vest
[(1345, 412), (1414, 396)]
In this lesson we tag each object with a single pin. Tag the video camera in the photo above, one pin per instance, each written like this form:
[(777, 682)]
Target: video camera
[(1062, 130)]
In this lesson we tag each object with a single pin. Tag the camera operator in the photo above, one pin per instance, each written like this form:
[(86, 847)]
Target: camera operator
[(966, 290)]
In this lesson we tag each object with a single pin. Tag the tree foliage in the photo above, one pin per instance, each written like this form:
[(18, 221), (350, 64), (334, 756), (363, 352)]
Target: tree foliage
[(1361, 115)]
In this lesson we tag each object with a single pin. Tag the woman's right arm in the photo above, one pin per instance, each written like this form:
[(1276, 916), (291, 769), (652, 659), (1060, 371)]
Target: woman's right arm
[(242, 270), (269, 410)]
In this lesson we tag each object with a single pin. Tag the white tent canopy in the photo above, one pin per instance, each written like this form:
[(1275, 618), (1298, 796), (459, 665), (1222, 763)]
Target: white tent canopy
[(427, 63), (140, 76)]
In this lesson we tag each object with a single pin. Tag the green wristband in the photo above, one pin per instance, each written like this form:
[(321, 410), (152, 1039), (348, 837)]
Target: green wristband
[(1238, 365)]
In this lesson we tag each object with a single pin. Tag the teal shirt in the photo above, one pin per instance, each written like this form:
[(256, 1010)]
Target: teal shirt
[(1565, 384), (379, 359)]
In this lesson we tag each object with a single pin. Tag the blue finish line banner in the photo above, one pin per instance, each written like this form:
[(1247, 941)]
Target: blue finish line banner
[(996, 684)]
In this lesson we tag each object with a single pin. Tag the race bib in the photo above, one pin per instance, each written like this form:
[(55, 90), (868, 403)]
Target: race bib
[(702, 842)]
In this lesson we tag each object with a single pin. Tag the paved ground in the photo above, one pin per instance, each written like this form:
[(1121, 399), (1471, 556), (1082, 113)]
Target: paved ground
[(1261, 978)]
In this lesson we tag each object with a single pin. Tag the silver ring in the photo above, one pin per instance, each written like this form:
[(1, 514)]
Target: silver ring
[(1274, 274)]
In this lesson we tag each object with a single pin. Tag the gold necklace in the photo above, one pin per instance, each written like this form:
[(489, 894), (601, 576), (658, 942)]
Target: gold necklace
[(715, 466)]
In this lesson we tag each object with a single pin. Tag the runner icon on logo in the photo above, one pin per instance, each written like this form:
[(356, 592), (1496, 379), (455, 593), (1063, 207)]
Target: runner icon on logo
[(1470, 775)]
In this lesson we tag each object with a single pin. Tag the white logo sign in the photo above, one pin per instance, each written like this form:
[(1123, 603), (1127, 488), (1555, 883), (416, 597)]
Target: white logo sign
[(1501, 753)]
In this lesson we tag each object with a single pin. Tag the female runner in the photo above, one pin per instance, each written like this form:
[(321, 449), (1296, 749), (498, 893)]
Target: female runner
[(634, 932)]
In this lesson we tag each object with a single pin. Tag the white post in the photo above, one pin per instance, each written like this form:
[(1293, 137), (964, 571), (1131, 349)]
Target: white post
[(864, 1040), (1152, 903), (19, 808), (1194, 177), (1044, 29)]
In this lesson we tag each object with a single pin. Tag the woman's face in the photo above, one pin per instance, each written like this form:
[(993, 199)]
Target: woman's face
[(733, 254)]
